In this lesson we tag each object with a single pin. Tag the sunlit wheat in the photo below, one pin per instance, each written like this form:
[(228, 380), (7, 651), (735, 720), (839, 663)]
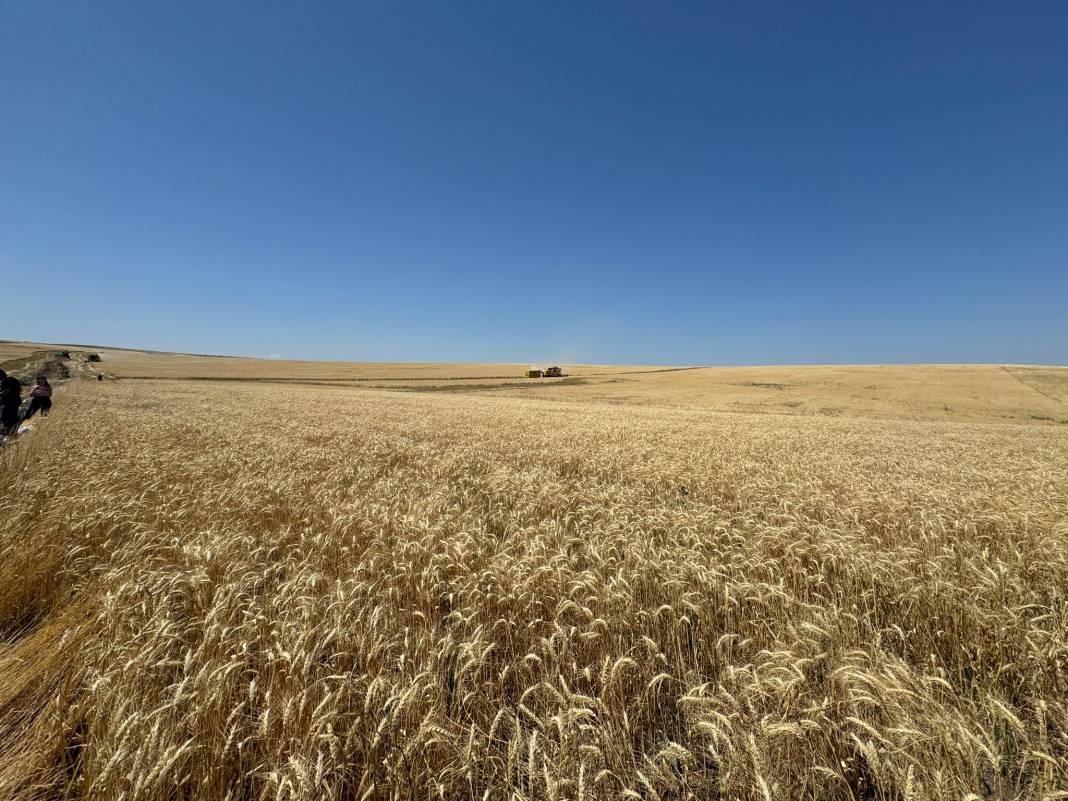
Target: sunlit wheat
[(219, 591)]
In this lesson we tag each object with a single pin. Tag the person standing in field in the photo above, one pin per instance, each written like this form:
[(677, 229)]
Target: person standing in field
[(10, 400), (40, 399)]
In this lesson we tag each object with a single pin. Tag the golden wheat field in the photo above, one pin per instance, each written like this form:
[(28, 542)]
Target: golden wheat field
[(242, 590)]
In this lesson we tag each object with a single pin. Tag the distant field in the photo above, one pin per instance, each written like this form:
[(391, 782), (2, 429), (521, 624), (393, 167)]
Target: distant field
[(127, 363), (840, 583), (907, 391), (911, 392), (1024, 394), (17, 350)]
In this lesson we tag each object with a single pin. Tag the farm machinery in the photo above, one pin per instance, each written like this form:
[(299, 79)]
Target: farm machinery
[(548, 372)]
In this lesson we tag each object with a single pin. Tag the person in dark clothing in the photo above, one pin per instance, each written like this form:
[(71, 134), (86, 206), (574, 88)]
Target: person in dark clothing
[(10, 400), (40, 399)]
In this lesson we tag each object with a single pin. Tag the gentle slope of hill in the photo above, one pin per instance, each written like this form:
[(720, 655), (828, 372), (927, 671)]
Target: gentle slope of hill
[(997, 393)]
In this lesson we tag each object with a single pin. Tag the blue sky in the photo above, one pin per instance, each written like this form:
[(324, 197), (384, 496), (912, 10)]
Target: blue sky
[(604, 182)]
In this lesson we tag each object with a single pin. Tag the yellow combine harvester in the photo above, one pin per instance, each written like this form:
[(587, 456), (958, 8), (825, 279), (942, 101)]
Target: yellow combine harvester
[(548, 372)]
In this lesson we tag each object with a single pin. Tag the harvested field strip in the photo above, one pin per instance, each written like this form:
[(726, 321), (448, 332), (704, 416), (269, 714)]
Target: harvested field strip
[(390, 379), (328, 379)]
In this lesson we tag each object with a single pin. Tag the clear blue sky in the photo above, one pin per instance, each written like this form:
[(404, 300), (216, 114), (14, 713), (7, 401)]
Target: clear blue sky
[(605, 182)]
